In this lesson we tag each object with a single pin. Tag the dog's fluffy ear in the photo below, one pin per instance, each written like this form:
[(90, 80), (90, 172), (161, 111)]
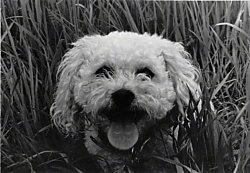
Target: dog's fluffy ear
[(64, 107), (184, 74)]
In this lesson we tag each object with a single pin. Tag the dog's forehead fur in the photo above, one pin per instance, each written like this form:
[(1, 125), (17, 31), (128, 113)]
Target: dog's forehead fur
[(127, 44), (125, 51)]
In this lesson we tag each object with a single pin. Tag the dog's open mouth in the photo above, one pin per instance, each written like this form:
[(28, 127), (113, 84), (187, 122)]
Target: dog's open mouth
[(123, 132)]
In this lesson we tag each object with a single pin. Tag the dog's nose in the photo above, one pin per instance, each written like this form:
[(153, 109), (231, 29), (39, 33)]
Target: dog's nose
[(123, 97)]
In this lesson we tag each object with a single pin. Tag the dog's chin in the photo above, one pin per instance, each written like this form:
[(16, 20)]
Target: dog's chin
[(123, 131)]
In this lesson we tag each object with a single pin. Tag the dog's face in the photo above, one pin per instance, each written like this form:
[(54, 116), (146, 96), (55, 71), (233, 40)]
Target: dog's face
[(122, 92), (124, 83)]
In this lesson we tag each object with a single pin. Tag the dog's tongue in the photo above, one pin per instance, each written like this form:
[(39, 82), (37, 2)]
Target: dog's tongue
[(123, 136)]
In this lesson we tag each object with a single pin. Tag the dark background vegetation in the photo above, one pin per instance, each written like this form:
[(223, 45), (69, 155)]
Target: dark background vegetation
[(35, 34)]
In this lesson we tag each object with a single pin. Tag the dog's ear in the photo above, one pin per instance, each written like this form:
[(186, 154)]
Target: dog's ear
[(184, 74), (64, 107)]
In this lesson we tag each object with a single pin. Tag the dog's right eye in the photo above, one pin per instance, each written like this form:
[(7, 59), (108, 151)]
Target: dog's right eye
[(146, 71), (104, 71)]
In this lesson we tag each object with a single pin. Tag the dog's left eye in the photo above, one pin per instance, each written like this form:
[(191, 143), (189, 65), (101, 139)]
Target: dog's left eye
[(145, 71), (104, 71)]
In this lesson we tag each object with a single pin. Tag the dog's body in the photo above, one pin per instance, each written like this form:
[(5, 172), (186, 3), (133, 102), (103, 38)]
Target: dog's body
[(118, 90)]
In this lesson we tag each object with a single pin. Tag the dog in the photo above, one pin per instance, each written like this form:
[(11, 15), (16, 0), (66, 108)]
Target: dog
[(119, 90)]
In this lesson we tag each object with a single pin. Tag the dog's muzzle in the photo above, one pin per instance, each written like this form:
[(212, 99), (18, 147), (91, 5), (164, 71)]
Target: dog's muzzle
[(123, 132)]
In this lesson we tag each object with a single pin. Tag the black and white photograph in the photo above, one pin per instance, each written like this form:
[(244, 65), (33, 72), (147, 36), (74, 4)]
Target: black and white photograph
[(125, 86)]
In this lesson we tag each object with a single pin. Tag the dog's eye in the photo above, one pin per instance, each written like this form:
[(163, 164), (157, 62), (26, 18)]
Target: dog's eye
[(104, 71), (145, 71)]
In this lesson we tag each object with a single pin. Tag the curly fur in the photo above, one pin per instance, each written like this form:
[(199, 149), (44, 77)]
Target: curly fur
[(175, 77)]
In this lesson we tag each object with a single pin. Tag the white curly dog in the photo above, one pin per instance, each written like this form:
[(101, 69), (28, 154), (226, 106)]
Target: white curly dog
[(117, 89)]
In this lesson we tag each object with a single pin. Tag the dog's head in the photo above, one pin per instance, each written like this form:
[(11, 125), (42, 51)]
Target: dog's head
[(123, 83)]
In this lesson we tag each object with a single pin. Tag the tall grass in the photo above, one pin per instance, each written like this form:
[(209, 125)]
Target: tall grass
[(36, 34)]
